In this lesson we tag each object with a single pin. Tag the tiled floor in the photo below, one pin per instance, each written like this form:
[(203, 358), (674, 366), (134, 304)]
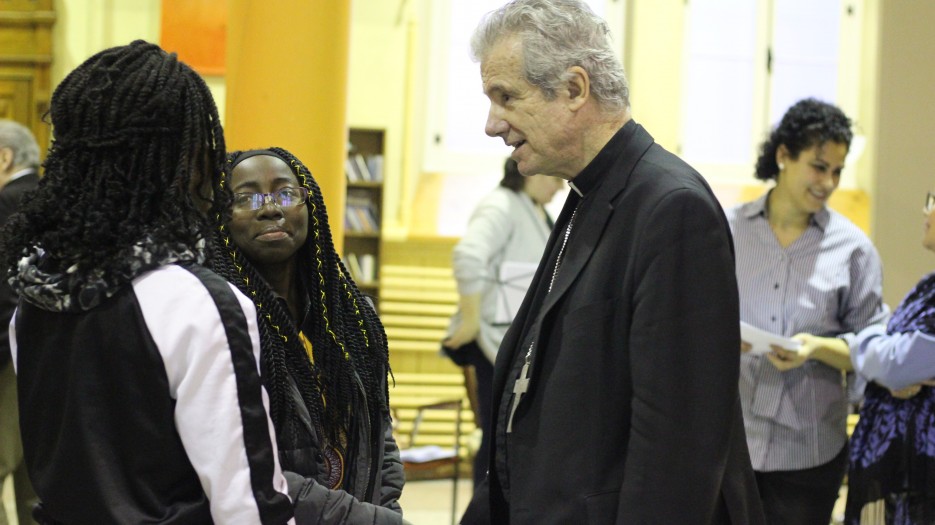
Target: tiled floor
[(423, 502), (428, 502)]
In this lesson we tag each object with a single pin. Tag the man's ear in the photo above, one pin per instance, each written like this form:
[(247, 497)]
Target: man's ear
[(6, 159), (578, 86)]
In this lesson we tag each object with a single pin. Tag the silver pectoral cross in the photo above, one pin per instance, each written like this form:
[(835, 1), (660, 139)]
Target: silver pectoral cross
[(519, 388)]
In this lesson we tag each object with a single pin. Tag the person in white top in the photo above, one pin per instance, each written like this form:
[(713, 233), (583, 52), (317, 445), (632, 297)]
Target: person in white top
[(508, 229)]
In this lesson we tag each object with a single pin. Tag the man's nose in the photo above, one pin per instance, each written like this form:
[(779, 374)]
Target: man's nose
[(495, 125)]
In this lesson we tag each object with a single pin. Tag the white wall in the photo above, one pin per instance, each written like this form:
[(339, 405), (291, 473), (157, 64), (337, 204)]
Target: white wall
[(84, 27)]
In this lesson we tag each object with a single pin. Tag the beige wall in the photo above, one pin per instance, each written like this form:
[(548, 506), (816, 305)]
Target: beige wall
[(84, 27), (382, 36), (904, 134), (652, 55)]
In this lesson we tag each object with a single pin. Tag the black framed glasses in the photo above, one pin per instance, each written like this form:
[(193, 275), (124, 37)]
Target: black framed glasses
[(284, 198), (929, 203)]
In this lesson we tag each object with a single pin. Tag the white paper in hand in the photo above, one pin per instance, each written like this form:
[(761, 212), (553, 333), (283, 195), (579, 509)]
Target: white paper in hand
[(514, 280), (761, 340)]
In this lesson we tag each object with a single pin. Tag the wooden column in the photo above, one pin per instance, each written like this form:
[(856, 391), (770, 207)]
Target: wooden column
[(287, 70)]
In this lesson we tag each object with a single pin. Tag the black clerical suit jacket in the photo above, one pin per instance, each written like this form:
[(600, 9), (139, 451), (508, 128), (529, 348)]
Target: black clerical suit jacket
[(632, 414)]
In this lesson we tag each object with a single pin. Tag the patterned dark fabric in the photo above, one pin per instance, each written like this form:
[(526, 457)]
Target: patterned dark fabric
[(892, 454), (76, 291)]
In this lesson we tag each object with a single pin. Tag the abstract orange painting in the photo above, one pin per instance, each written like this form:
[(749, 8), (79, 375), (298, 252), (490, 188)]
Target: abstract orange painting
[(197, 31)]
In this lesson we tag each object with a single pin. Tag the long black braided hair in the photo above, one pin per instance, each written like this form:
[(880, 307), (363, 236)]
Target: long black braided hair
[(134, 129), (347, 337)]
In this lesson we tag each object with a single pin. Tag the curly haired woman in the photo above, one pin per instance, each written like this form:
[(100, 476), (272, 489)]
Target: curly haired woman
[(803, 270)]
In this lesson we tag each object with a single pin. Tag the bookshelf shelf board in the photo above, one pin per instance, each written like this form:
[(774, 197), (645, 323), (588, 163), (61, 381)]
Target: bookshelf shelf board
[(365, 185), (362, 235)]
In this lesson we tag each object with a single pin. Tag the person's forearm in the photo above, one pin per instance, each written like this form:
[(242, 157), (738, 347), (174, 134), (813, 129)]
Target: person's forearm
[(469, 326), (470, 307), (896, 360), (835, 353)]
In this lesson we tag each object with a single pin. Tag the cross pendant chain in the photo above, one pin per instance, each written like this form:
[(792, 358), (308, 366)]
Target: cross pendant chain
[(561, 251), (521, 386)]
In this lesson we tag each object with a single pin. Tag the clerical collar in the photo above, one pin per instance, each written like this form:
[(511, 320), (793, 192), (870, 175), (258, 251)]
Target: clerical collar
[(21, 173), (594, 172)]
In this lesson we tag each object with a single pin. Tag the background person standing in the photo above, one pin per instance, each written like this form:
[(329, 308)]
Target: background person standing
[(891, 471), (19, 173), (803, 271), (509, 225)]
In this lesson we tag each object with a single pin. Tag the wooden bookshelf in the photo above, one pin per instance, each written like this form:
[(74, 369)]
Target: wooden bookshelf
[(364, 213)]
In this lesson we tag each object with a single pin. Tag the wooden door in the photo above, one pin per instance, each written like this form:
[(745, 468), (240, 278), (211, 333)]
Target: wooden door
[(25, 58)]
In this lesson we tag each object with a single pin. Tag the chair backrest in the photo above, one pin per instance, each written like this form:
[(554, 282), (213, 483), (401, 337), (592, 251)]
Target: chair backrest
[(451, 404), (433, 461)]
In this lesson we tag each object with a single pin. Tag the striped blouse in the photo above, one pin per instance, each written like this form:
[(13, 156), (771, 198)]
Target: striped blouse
[(826, 283)]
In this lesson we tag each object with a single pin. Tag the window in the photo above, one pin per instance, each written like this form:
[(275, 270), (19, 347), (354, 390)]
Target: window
[(456, 141), (747, 61)]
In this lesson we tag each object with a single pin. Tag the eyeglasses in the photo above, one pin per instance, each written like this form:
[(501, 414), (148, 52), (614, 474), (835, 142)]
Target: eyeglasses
[(929, 203), (284, 198)]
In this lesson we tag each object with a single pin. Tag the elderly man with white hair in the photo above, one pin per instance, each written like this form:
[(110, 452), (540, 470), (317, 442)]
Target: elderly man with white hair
[(19, 173)]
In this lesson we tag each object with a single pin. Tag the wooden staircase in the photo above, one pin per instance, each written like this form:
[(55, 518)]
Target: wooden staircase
[(416, 303)]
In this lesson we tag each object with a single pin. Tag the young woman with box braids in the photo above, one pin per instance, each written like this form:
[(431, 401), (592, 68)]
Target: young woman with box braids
[(324, 359)]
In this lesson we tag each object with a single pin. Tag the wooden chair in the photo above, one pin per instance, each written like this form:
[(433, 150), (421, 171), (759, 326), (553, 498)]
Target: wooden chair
[(432, 461)]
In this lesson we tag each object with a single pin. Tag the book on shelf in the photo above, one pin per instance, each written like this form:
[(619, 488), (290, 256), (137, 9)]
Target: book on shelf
[(361, 219), (368, 267), (367, 219), (361, 214), (362, 168), (353, 266), (375, 166), (373, 222), (352, 220), (352, 171)]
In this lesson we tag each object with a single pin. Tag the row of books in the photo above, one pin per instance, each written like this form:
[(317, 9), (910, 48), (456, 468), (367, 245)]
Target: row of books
[(363, 267), (364, 169), (361, 216)]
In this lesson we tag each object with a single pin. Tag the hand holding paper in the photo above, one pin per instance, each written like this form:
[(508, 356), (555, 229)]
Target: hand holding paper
[(760, 340)]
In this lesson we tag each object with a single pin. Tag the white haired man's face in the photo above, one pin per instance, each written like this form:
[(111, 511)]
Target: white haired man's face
[(539, 130)]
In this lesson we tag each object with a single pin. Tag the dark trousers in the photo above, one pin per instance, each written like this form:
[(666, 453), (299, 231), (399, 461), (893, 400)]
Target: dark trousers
[(802, 497), (483, 369)]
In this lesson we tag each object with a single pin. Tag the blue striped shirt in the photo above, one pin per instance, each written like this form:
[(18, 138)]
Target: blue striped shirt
[(826, 283)]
